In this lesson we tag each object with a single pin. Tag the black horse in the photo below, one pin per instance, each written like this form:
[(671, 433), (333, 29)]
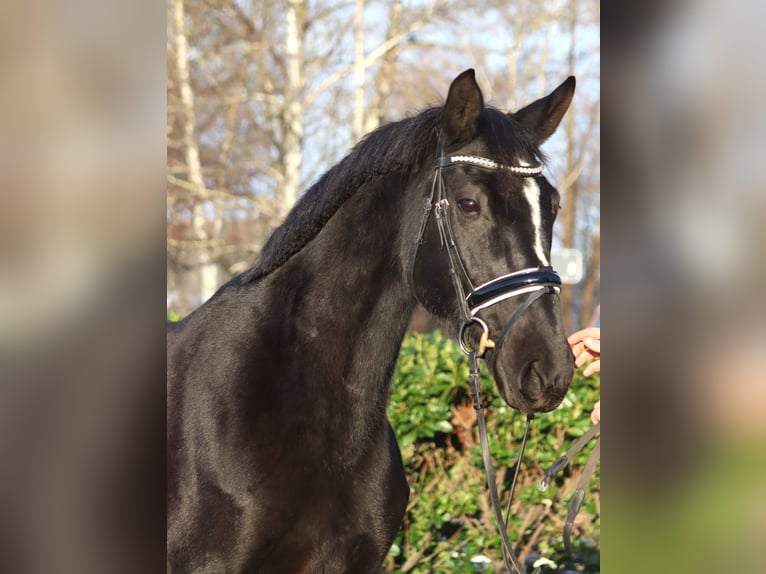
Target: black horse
[(280, 456)]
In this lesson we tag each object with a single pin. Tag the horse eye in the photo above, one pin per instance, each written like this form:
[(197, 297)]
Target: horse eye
[(468, 206)]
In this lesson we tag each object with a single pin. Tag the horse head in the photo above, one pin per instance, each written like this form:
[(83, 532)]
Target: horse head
[(483, 253)]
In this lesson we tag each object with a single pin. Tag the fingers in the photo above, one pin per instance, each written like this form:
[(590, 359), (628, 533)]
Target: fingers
[(594, 367), (586, 346), (595, 416), (582, 356), (578, 336), (593, 344)]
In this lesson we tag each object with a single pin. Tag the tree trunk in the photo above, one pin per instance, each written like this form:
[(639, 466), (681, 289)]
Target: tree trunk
[(359, 72), (590, 281), (384, 77), (512, 66), (287, 193), (208, 271)]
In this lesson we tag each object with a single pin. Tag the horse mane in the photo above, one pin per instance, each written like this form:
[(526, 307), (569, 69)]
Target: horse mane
[(397, 146)]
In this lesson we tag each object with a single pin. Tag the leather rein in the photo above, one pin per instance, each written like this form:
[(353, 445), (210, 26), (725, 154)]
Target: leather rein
[(536, 282)]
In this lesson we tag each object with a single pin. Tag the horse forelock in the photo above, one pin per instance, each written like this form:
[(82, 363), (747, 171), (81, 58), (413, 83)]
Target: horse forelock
[(507, 141)]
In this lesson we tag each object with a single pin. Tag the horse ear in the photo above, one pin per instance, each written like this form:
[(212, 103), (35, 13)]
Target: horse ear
[(460, 116), (541, 118)]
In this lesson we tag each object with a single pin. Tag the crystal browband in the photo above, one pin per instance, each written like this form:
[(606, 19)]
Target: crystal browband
[(446, 160)]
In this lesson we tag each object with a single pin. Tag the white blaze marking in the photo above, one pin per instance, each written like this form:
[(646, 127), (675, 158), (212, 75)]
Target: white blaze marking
[(532, 193)]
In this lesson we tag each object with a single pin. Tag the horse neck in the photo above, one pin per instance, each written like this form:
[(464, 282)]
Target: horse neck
[(347, 304)]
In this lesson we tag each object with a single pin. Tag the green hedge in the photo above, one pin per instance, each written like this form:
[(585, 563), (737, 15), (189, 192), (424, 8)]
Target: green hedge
[(449, 526)]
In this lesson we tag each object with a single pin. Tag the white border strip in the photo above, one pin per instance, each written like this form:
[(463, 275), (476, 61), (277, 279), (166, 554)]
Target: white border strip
[(509, 294), (522, 272)]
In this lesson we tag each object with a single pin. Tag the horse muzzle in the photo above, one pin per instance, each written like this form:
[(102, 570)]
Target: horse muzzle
[(530, 358)]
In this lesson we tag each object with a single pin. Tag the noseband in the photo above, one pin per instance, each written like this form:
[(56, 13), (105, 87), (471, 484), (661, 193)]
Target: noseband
[(535, 281)]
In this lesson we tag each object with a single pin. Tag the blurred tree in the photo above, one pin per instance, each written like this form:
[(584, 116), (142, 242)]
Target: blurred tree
[(280, 91)]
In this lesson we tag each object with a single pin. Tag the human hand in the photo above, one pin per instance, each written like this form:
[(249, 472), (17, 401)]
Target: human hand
[(586, 346)]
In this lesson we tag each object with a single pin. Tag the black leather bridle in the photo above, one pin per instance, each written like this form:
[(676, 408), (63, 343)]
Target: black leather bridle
[(535, 282)]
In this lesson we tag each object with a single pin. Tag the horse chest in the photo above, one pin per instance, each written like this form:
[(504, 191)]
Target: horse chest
[(300, 515)]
